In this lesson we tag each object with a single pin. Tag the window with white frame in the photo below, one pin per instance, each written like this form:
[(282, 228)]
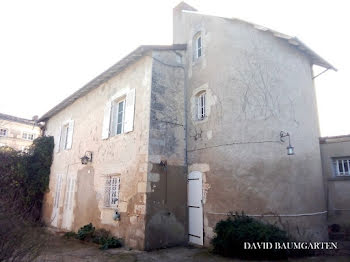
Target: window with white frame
[(28, 136), (117, 117), (3, 132), (64, 138), (112, 185), (197, 44), (119, 113), (201, 105), (341, 166)]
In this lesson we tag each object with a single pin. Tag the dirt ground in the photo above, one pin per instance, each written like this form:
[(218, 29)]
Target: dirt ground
[(70, 250)]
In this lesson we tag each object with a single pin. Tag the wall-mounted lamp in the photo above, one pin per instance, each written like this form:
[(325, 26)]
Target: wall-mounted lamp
[(86, 158), (116, 215), (290, 149)]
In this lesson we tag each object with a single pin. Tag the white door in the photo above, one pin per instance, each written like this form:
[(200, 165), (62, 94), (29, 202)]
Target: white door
[(195, 208), (56, 203), (67, 219)]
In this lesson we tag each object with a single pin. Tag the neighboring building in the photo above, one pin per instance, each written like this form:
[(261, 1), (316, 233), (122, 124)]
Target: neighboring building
[(17, 133), (335, 153), (181, 135)]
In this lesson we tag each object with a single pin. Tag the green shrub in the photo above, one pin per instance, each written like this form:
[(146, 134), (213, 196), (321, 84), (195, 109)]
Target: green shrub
[(86, 232), (70, 234), (232, 233), (98, 236), (101, 236), (111, 242)]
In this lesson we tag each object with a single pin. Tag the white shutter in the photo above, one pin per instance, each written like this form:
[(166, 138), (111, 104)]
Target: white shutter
[(106, 120), (58, 140), (70, 134), (129, 111)]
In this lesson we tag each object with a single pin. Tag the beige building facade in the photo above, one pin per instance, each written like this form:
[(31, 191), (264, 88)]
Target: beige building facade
[(170, 139), (335, 153), (17, 133)]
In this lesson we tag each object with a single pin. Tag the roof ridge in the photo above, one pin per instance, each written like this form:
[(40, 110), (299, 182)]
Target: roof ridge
[(17, 119)]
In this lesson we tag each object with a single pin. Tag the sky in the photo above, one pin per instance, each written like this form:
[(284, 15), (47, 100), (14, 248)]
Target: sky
[(49, 49)]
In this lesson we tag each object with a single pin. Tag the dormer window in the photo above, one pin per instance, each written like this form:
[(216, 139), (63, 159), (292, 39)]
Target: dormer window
[(197, 40), (201, 110)]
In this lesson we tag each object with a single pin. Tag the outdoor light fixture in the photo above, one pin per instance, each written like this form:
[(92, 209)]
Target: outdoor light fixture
[(290, 149), (86, 158)]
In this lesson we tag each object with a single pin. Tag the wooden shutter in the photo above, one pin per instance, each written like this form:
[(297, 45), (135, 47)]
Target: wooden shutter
[(106, 120), (129, 111), (70, 134), (58, 140)]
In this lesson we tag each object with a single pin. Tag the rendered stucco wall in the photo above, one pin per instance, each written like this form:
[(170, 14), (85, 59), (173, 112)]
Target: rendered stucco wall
[(337, 188), (125, 155), (257, 85), (166, 218), (15, 131)]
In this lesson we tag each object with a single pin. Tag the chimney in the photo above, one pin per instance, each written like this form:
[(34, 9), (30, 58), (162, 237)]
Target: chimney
[(179, 23)]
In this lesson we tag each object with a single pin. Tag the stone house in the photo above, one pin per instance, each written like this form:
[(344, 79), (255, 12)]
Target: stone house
[(162, 145), (335, 153), (18, 133)]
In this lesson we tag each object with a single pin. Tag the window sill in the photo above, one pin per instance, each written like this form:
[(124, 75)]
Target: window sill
[(113, 207), (197, 121), (339, 178), (197, 61)]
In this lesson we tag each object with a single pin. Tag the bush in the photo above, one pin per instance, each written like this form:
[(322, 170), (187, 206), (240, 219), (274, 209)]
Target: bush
[(70, 234), (232, 233), (98, 236), (86, 232), (111, 242), (101, 236)]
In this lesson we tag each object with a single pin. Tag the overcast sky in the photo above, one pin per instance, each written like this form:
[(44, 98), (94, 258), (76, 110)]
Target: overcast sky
[(49, 49)]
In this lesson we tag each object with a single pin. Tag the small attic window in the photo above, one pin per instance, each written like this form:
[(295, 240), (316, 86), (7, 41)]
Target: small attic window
[(197, 46)]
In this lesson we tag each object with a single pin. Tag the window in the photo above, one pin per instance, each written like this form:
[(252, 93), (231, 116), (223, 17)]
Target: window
[(28, 136), (3, 132), (197, 40), (341, 166), (112, 191), (201, 112), (119, 113), (64, 138), (117, 118)]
